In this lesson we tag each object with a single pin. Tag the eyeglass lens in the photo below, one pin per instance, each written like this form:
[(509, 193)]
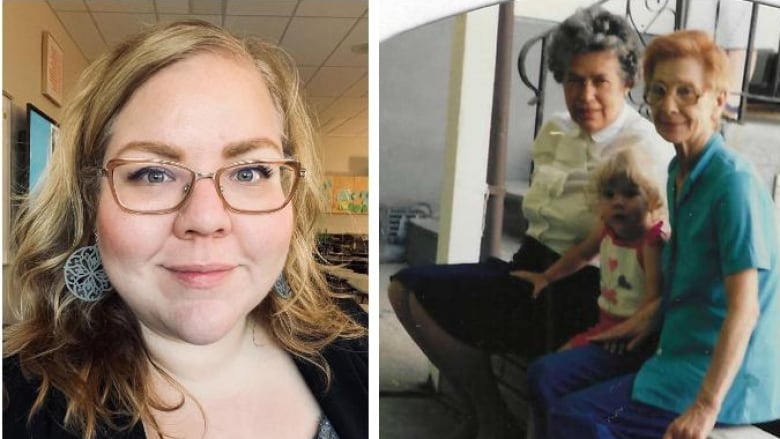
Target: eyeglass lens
[(256, 187), (684, 94)]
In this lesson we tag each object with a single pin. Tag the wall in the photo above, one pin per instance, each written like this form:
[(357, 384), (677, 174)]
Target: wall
[(23, 25), (414, 70), (766, 36), (342, 155)]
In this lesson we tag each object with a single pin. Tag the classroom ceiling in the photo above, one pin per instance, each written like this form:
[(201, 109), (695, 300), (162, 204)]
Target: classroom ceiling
[(327, 38)]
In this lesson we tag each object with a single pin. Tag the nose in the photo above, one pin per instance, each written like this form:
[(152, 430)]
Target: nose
[(588, 92), (203, 214), (669, 103), (618, 200)]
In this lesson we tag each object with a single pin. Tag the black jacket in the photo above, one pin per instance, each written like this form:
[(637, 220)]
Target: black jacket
[(345, 403)]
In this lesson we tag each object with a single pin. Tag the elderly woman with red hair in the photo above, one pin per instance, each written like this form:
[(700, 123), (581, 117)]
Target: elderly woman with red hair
[(717, 358)]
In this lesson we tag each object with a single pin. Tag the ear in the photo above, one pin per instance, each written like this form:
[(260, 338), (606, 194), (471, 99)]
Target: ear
[(720, 99), (720, 104)]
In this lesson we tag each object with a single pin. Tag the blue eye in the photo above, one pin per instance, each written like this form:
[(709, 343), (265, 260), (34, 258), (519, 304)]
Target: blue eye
[(252, 173), (151, 175)]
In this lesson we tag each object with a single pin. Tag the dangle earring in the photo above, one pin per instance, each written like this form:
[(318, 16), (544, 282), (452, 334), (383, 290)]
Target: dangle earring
[(84, 274), (282, 288)]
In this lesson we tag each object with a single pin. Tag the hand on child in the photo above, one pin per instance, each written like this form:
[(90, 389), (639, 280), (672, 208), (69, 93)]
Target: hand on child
[(628, 335), (538, 280)]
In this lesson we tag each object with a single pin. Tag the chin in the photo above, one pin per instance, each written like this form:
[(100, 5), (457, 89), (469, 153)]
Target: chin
[(673, 135), (206, 325), (592, 126)]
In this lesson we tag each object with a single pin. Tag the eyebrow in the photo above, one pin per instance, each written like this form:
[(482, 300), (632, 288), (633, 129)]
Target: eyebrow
[(173, 153), (157, 148), (235, 149)]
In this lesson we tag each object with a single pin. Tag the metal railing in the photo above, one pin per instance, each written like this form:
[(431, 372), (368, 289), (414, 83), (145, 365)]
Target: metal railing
[(656, 8)]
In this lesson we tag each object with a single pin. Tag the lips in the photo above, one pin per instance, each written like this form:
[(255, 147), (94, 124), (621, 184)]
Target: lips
[(586, 113), (200, 276), (619, 217), (670, 123)]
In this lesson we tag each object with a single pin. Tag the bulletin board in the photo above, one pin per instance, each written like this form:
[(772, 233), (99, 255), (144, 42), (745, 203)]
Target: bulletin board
[(347, 194)]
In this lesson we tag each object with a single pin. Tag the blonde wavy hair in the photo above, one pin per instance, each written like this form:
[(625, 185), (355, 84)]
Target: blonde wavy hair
[(93, 352), (629, 163)]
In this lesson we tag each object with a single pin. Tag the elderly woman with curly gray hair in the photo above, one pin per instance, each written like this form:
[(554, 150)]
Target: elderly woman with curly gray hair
[(459, 314)]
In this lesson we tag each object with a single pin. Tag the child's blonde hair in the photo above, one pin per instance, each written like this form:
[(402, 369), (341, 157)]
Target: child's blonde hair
[(629, 163)]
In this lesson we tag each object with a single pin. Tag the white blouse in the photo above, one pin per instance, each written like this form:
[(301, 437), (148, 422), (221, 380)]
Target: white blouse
[(557, 208)]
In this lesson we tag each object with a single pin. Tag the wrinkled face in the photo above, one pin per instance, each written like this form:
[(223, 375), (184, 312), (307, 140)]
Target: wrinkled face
[(594, 90), (678, 117), (193, 275), (624, 207)]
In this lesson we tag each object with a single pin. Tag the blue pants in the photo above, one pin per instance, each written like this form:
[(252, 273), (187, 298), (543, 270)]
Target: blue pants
[(585, 393)]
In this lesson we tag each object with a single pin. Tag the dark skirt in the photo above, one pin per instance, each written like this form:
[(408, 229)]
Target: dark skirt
[(484, 306)]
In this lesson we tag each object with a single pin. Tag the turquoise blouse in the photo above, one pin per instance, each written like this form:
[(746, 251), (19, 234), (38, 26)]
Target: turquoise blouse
[(722, 222)]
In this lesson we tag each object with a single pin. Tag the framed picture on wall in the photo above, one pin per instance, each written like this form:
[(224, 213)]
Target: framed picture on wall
[(52, 77)]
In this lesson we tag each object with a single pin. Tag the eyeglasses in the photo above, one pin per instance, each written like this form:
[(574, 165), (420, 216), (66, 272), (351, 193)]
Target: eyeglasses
[(159, 187), (684, 94)]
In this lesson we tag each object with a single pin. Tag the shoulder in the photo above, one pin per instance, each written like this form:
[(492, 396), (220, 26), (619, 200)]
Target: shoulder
[(728, 164), (347, 357), (557, 123), (641, 132), (353, 310), (350, 355), (19, 394), (655, 236), (345, 400), (727, 169)]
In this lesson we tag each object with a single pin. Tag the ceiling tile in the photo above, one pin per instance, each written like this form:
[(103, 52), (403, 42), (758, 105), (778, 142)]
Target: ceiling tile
[(84, 33), (306, 72), (333, 81), (213, 19), (173, 6), (356, 126), (319, 104), (206, 7), (117, 27), (347, 107), (328, 124), (68, 5), (283, 8), (268, 28), (358, 89), (345, 54), (332, 8), (133, 6), (311, 40)]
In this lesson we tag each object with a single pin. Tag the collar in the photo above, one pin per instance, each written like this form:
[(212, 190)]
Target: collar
[(569, 128), (713, 145)]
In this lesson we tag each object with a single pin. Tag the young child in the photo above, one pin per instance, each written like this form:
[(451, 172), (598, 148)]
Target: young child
[(628, 237)]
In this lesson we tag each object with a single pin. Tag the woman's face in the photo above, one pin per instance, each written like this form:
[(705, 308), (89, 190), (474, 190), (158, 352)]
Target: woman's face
[(594, 89), (684, 109), (193, 275)]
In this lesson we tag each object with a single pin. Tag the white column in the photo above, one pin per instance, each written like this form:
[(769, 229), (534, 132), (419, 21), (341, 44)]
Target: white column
[(468, 135)]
